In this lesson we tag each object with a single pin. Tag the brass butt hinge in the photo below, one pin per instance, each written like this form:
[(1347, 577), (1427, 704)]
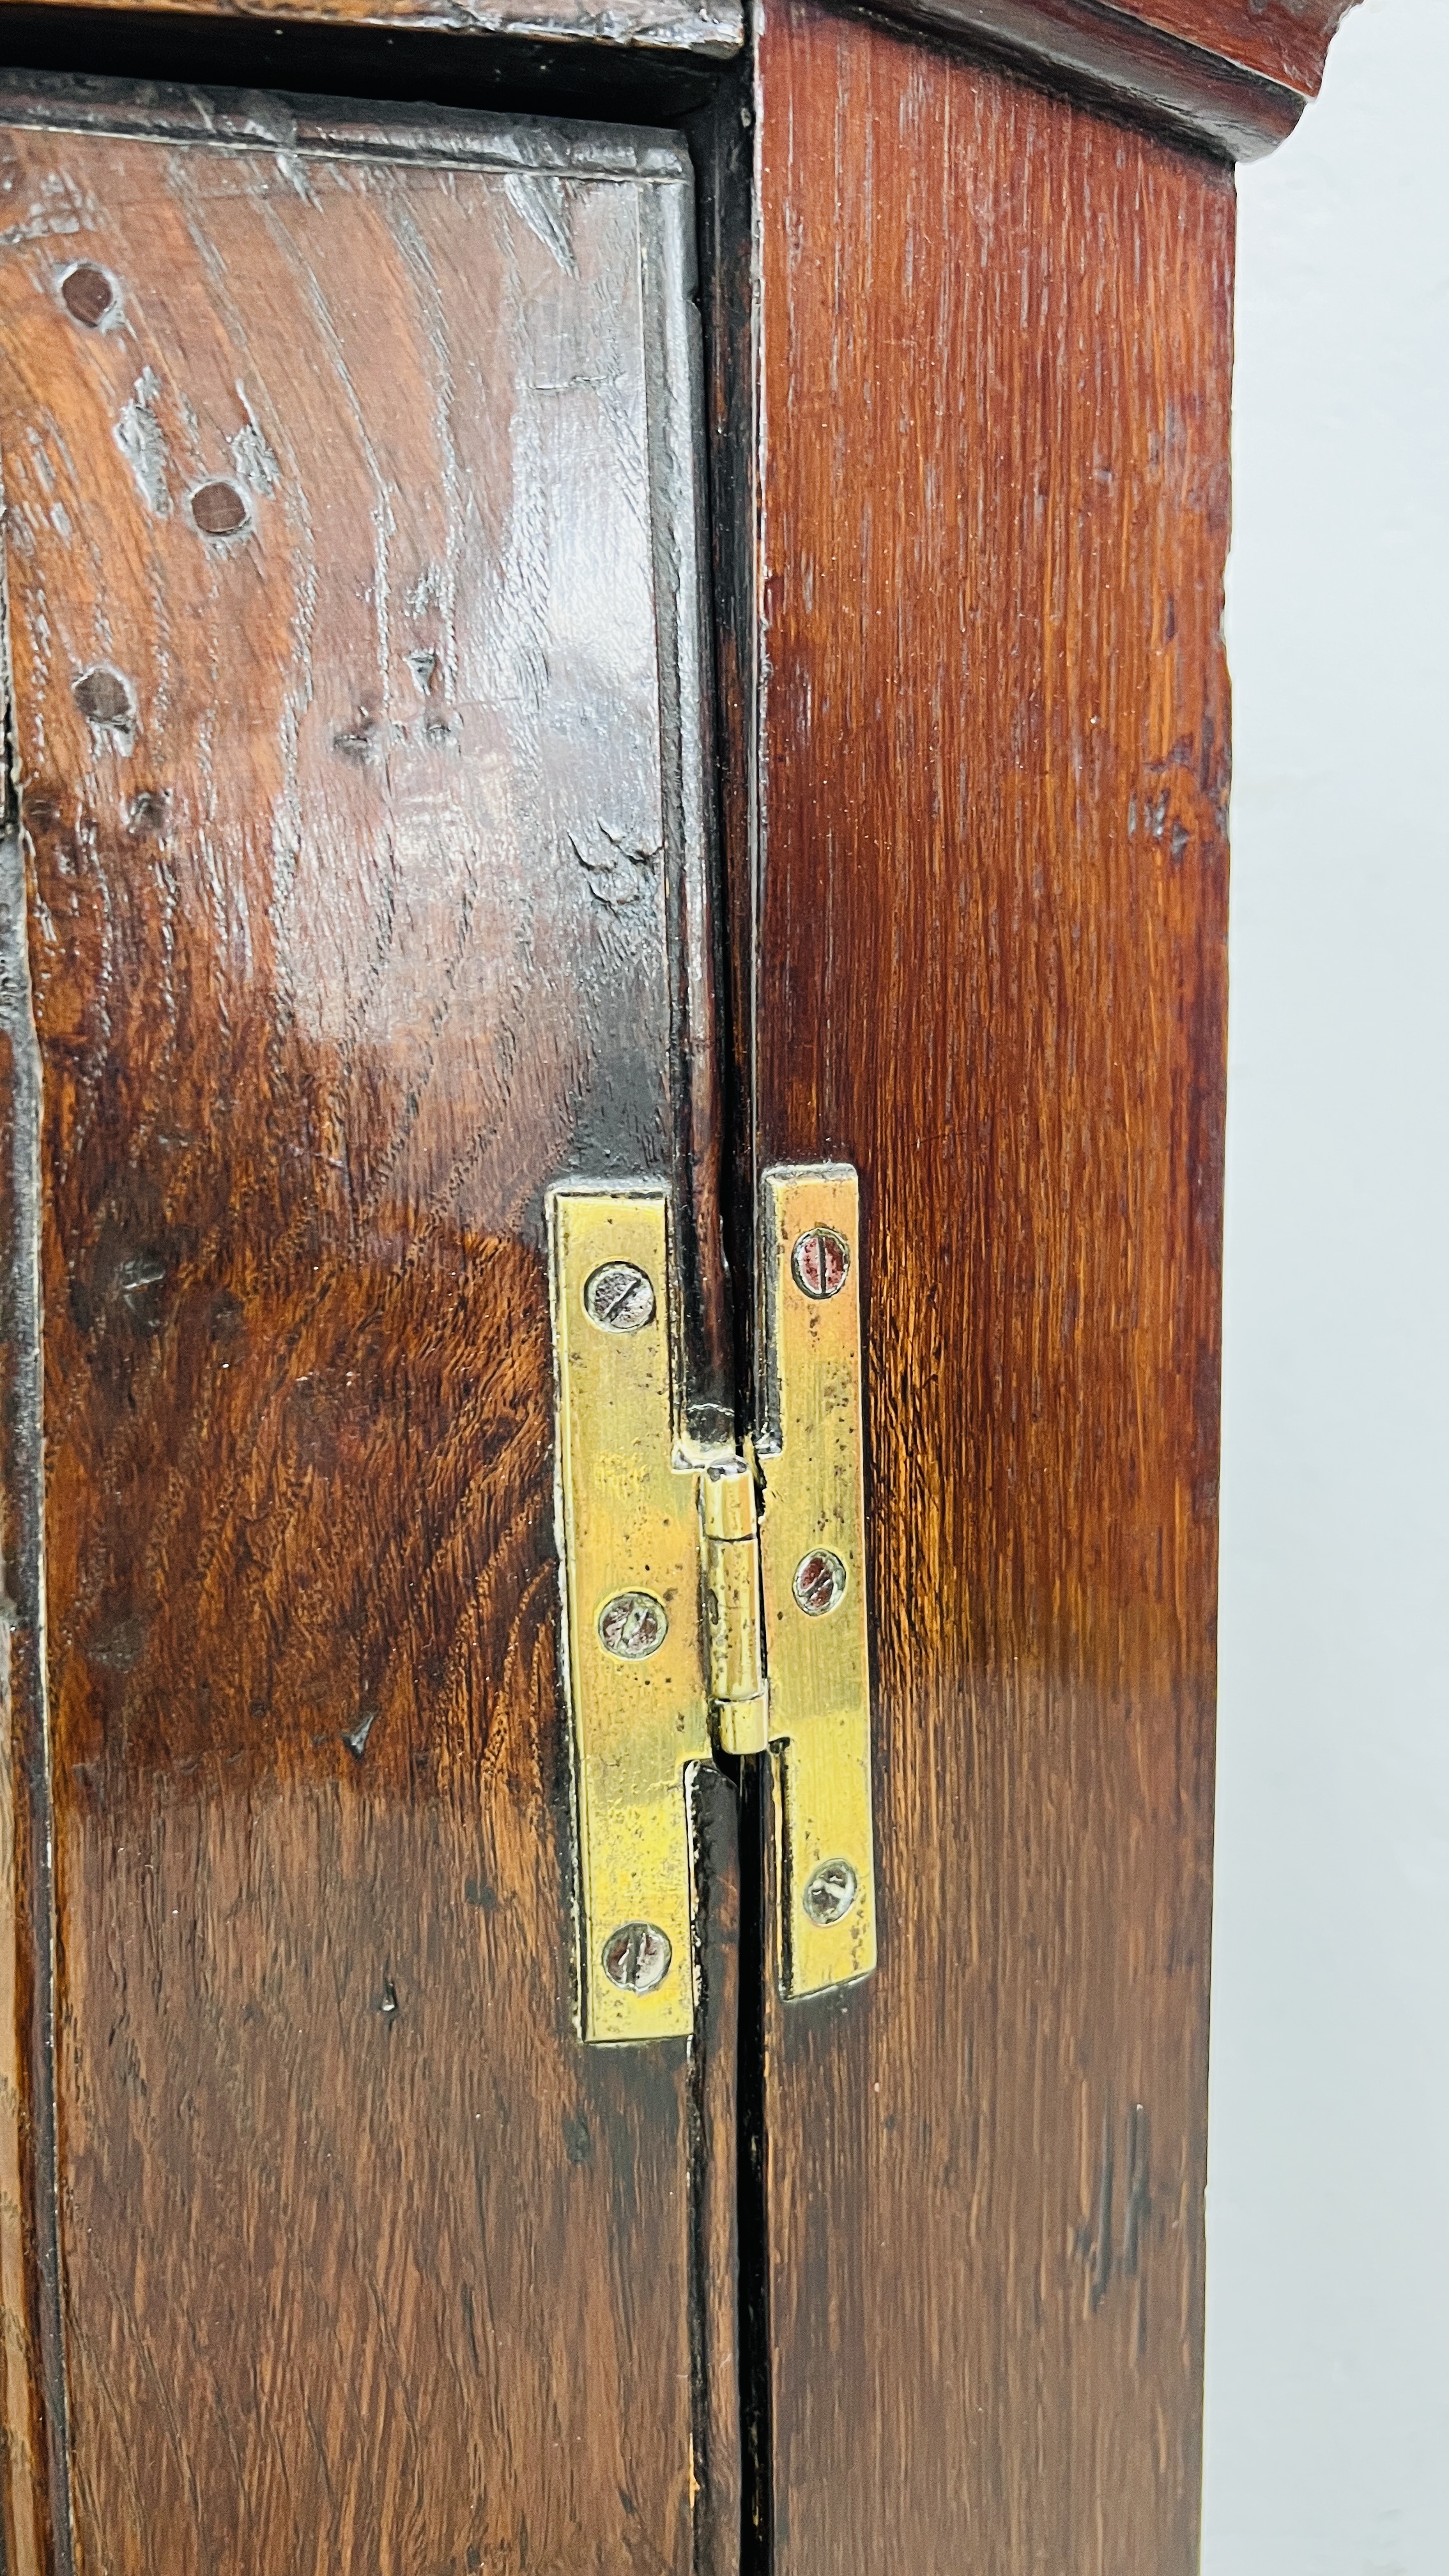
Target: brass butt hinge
[(713, 1603)]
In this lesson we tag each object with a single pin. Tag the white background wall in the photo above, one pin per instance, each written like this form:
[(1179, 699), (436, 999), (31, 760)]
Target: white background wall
[(1328, 2204)]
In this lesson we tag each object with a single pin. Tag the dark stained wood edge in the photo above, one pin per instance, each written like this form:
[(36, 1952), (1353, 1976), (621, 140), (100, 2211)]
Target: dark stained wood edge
[(720, 137), (1102, 56), (522, 75), (676, 364), (759, 2029), (275, 122), (34, 2456), (714, 2214), (674, 392)]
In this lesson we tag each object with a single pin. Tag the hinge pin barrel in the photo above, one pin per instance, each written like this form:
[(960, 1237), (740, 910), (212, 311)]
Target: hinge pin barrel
[(729, 1539)]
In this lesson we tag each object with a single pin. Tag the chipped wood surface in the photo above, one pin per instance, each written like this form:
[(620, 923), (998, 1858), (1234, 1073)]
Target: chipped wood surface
[(993, 516), (341, 480)]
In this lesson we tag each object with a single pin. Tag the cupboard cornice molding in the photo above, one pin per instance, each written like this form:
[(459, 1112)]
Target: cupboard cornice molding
[(1235, 74)]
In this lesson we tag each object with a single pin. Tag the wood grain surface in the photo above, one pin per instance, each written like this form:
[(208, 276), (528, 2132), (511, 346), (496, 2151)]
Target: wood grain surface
[(990, 965), (710, 27), (347, 466)]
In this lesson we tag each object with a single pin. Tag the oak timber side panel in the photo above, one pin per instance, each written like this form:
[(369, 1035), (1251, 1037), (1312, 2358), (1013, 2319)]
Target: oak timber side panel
[(332, 478), (994, 510)]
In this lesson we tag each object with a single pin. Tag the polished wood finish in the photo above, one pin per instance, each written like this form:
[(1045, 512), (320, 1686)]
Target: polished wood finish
[(710, 27), (349, 548), (993, 511)]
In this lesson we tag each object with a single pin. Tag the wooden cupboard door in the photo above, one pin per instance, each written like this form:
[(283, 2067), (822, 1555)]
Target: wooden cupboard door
[(993, 514), (355, 638)]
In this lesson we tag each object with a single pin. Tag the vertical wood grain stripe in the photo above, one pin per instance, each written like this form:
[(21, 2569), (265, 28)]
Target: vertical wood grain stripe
[(34, 2462)]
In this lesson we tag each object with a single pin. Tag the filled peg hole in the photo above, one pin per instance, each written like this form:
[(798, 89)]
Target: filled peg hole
[(88, 295), (220, 509), (105, 699)]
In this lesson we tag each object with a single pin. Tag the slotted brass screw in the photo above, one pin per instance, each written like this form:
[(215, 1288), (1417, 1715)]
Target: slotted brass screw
[(637, 1957), (830, 1892), (820, 1261), (620, 1298), (819, 1582), (633, 1625)]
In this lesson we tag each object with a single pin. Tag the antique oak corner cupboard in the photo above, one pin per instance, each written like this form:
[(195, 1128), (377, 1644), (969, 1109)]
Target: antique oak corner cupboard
[(612, 906)]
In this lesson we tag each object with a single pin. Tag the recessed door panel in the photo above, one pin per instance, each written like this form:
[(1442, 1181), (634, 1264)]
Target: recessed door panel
[(355, 643)]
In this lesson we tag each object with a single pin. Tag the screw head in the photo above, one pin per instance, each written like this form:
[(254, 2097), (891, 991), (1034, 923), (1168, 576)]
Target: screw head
[(633, 1625), (819, 1582), (619, 1298), (820, 1261), (637, 1957), (830, 1892)]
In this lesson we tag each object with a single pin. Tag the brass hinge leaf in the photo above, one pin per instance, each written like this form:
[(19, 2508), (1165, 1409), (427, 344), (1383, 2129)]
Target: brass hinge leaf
[(696, 1623)]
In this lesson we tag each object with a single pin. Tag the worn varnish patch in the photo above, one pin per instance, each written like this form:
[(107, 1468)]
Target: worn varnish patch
[(335, 483), (994, 495)]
